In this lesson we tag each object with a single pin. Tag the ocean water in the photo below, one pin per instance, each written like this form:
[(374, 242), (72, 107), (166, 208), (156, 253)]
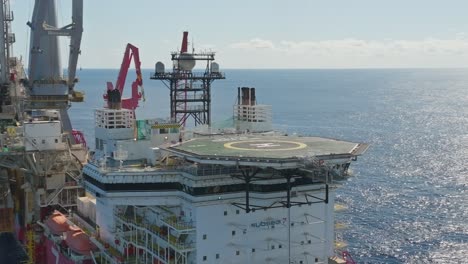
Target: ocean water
[(408, 197)]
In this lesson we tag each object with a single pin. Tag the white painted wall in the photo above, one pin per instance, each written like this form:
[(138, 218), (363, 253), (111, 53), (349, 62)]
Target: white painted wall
[(136, 149), (208, 214), (105, 218), (251, 233), (43, 135), (115, 133)]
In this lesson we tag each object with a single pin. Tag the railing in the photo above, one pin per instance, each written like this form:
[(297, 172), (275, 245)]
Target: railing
[(255, 113), (166, 169), (322, 166), (74, 175), (141, 244), (66, 186), (190, 97), (108, 251), (156, 231), (203, 171), (178, 224), (175, 75), (192, 108), (93, 257), (53, 195)]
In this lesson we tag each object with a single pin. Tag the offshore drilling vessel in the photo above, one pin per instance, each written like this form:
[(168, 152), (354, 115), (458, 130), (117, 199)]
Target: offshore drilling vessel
[(154, 191), (157, 192), (41, 156)]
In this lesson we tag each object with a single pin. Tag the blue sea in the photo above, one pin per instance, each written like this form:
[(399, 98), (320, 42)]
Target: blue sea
[(408, 197)]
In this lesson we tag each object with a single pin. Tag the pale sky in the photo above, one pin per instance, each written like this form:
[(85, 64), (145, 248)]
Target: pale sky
[(270, 33)]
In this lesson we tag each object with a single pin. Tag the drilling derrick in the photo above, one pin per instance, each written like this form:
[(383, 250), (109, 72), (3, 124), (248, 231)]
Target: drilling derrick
[(41, 155), (190, 90)]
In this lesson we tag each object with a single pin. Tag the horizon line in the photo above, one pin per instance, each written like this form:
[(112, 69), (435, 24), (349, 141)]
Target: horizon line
[(354, 68)]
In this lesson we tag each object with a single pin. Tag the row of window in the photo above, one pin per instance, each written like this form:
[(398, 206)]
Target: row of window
[(165, 131), (34, 141), (238, 211), (233, 233), (205, 258), (194, 191), (226, 213)]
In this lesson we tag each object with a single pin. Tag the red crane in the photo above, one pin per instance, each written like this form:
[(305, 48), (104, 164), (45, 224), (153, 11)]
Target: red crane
[(131, 52)]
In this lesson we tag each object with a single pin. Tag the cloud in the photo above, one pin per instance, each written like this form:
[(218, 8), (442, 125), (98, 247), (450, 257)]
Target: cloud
[(356, 47), (207, 46), (352, 52), (256, 43)]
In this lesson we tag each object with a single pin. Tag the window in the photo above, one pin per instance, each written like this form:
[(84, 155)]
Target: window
[(204, 237), (253, 250), (237, 252), (272, 246), (292, 224), (233, 233), (300, 262), (217, 256), (56, 140), (309, 241), (43, 141), (237, 211), (225, 212), (316, 260), (204, 258), (280, 246)]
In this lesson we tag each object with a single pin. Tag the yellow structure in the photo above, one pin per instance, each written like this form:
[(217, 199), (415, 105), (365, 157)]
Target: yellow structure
[(77, 96), (30, 245)]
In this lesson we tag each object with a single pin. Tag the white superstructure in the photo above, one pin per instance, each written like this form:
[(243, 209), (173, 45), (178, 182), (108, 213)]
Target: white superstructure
[(154, 196)]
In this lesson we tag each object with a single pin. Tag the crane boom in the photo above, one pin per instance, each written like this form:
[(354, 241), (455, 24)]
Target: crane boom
[(131, 52), (75, 42)]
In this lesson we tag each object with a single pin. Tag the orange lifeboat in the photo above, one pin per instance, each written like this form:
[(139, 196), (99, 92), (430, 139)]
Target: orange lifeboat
[(79, 242), (57, 223)]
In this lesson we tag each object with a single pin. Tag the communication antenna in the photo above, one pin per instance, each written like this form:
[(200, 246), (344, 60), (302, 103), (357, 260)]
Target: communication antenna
[(190, 91), (193, 45)]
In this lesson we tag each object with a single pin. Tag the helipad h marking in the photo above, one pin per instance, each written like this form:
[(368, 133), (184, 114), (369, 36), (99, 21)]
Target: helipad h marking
[(264, 145)]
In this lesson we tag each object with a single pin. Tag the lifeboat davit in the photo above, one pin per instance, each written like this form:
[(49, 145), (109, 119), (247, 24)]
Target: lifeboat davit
[(79, 242), (57, 223)]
